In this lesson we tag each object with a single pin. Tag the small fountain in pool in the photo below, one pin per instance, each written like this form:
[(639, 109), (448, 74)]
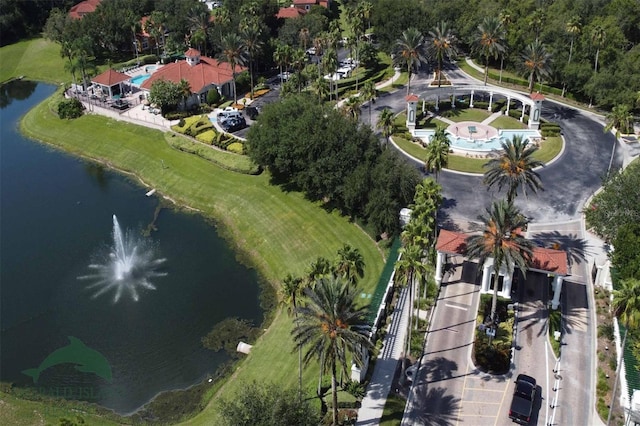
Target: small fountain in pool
[(129, 265)]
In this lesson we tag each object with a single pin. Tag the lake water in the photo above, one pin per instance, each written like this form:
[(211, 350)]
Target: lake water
[(56, 218)]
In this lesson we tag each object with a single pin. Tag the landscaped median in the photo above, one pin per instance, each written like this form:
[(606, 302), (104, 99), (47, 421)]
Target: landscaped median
[(274, 231)]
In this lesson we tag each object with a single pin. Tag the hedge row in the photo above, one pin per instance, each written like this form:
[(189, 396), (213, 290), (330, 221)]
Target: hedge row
[(240, 164), (548, 129)]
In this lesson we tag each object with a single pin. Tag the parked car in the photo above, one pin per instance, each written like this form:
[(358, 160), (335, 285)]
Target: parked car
[(226, 114), (120, 104), (524, 396), (252, 112), (233, 124)]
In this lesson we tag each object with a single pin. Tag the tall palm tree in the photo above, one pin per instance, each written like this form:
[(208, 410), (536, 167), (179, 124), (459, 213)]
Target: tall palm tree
[(282, 57), (489, 41), (299, 61), (506, 19), (350, 264), (385, 123), (291, 289), (503, 241), (536, 21), (437, 151), (598, 37), (366, 7), (441, 44), (409, 271), (410, 51), (304, 37), (185, 91), (251, 34), (626, 306), (330, 326), (330, 64), (199, 24), (319, 269), (368, 94), (619, 118), (514, 168), (573, 28), (234, 52), (536, 62)]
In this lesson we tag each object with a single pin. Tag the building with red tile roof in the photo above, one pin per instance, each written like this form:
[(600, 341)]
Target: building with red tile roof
[(550, 261), (111, 82), (202, 73), (290, 12), (83, 8), (307, 4)]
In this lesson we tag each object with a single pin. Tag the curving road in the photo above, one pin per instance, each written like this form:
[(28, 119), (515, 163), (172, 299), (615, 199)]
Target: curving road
[(568, 181)]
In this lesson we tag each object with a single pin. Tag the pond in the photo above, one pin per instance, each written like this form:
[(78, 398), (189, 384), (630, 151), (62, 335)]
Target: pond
[(91, 339)]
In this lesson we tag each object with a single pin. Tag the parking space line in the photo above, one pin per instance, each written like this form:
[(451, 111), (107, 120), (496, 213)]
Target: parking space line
[(449, 305), (485, 390), (480, 402)]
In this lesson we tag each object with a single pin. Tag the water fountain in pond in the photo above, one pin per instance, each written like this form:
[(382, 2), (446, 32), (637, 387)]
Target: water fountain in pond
[(129, 266)]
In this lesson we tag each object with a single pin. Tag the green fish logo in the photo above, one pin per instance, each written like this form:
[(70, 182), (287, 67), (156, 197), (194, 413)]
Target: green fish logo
[(87, 360)]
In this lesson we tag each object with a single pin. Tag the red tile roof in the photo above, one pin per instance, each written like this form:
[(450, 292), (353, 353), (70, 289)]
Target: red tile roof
[(451, 242), (143, 25), (110, 78), (84, 7), (199, 76), (290, 12), (411, 98), (537, 96), (550, 260), (192, 52), (544, 259)]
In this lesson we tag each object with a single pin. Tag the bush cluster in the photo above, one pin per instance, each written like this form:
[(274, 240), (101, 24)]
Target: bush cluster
[(70, 108), (203, 131), (550, 129)]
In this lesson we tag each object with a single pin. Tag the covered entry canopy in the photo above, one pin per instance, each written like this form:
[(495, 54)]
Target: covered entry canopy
[(550, 261), (111, 82)]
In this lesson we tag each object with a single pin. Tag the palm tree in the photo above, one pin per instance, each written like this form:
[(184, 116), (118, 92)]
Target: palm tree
[(598, 37), (298, 61), (365, 10), (319, 269), (409, 270), (368, 94), (234, 52), (503, 241), (489, 41), (199, 26), (351, 107), (514, 168), (385, 123), (282, 57), (290, 291), (185, 91), (251, 33), (410, 51), (350, 264), (536, 21), (304, 36), (626, 306), (440, 45), (331, 326), (330, 64), (437, 151), (619, 118), (537, 62), (573, 28), (320, 88), (506, 19)]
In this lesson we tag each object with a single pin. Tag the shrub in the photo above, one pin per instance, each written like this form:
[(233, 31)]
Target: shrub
[(261, 92), (354, 388), (208, 136), (213, 97), (70, 108), (494, 358), (237, 147), (481, 105), (178, 115), (181, 123)]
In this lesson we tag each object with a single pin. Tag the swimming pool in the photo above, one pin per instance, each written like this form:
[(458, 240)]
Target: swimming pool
[(139, 79)]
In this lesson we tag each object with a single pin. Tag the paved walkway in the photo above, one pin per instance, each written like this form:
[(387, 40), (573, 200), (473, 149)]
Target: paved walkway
[(384, 371)]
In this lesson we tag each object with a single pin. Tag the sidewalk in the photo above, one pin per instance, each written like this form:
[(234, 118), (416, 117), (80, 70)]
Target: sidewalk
[(370, 411)]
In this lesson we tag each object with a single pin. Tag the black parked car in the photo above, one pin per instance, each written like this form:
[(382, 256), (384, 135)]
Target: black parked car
[(252, 112), (524, 396), (233, 124)]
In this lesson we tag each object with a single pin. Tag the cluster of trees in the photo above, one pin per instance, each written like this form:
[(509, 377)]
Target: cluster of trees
[(318, 150), (589, 48), (327, 322)]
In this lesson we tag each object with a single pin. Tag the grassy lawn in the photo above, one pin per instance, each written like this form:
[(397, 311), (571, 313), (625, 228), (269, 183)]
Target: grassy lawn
[(36, 59), (398, 83), (505, 122), (469, 114), (549, 149), (274, 231), (456, 162), (555, 324)]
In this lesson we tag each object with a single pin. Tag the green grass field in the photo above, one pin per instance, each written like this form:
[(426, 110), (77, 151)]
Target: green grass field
[(469, 114), (36, 59), (506, 122)]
